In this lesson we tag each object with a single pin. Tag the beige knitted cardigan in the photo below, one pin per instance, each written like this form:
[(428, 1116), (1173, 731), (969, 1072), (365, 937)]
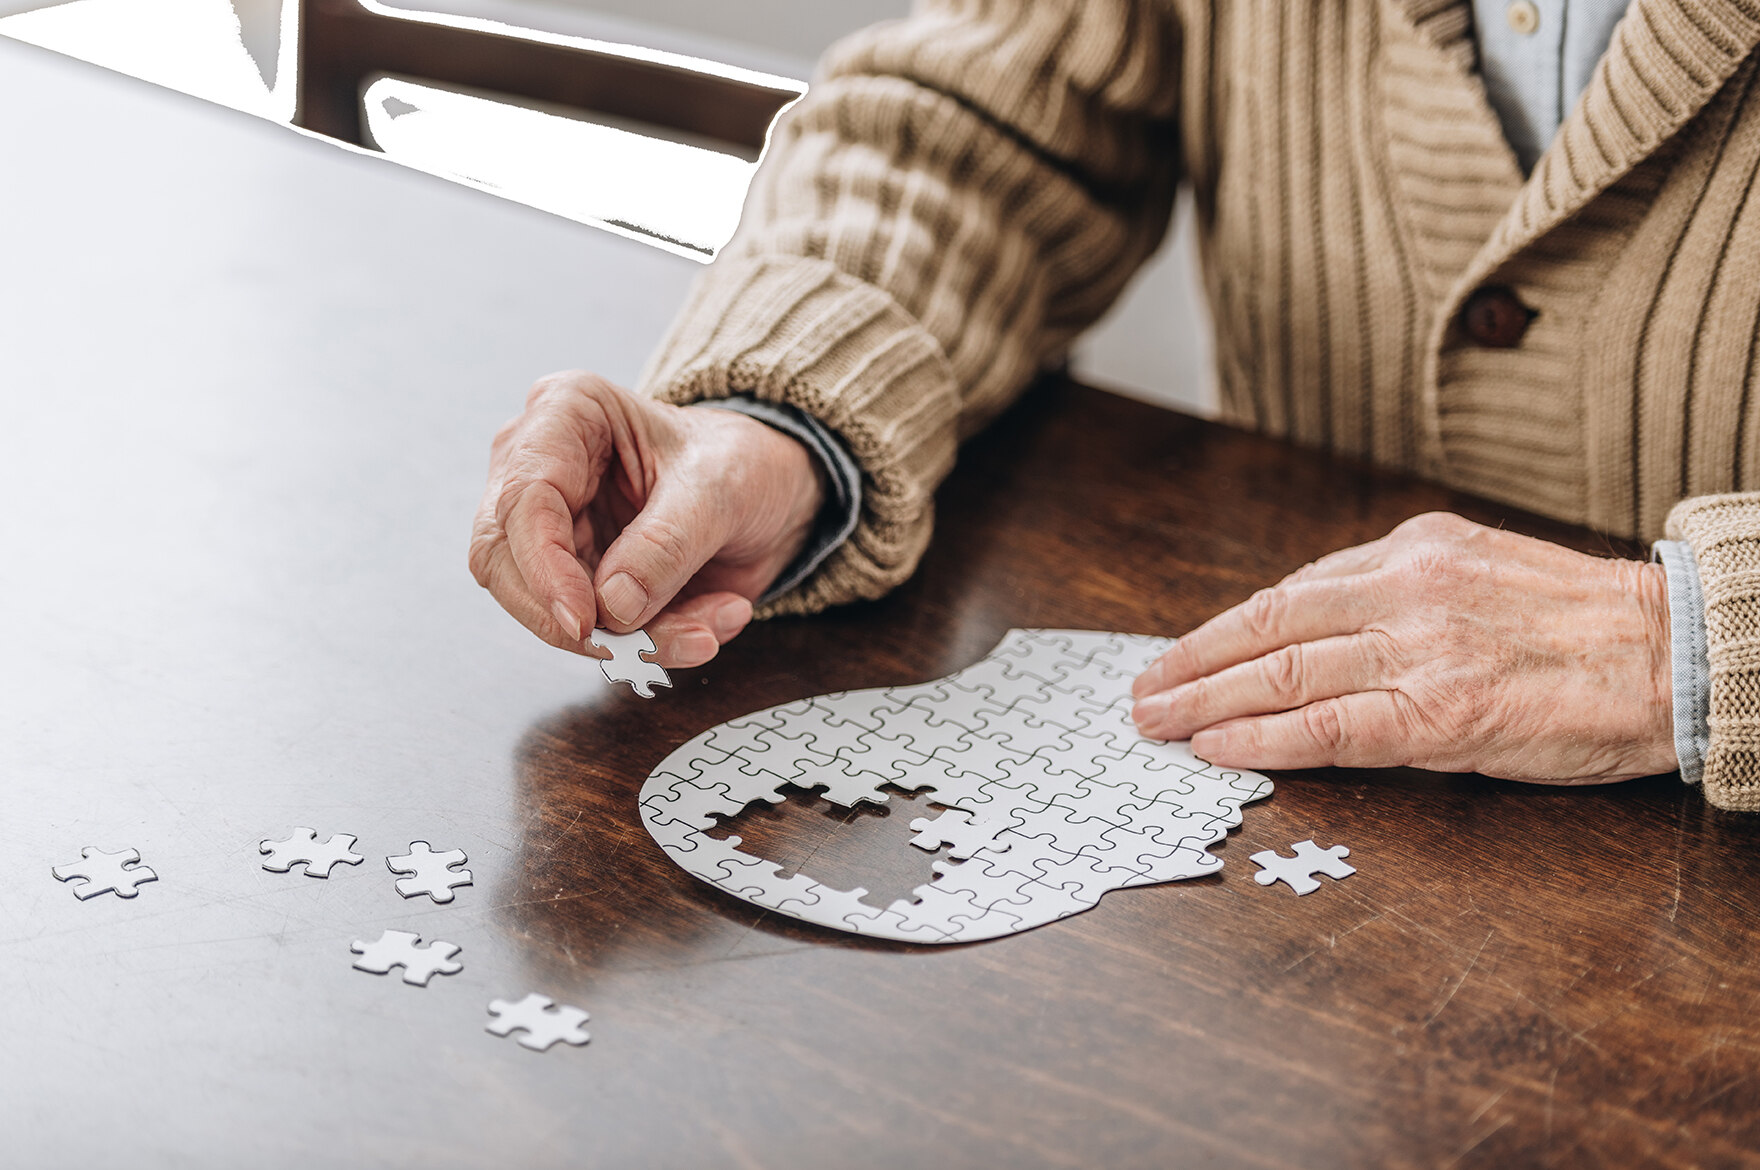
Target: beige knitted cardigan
[(963, 191)]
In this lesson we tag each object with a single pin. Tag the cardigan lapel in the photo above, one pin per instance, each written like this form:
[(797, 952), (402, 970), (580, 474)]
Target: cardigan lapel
[(1667, 59), (1446, 25)]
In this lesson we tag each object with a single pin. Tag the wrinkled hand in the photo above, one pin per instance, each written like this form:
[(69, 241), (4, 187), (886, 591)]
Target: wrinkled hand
[(1444, 645), (605, 508)]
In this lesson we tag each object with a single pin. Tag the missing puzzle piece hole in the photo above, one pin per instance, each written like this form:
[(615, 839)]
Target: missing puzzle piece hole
[(866, 846)]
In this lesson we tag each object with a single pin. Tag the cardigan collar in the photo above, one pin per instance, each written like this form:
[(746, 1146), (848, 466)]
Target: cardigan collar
[(1667, 59)]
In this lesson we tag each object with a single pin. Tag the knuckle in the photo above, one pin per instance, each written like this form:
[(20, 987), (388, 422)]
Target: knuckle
[(1381, 647), (668, 543), (1180, 662), (1324, 724), (1283, 670), (1199, 698), (482, 557), (1262, 613), (507, 500), (1433, 526), (488, 544), (568, 383), (1301, 574), (1429, 570)]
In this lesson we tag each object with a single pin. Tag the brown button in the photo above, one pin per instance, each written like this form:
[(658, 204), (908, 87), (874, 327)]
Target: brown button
[(1493, 317)]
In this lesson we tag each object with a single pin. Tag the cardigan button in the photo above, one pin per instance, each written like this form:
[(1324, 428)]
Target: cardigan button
[(1495, 318)]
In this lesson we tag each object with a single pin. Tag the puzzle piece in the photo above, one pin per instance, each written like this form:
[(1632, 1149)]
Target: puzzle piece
[(542, 1023), (626, 663), (966, 832), (397, 948), (1298, 871), (99, 872), (430, 872), (1052, 796), (318, 857)]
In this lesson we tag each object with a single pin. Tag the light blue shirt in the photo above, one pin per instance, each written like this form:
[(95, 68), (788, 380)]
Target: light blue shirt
[(1537, 57)]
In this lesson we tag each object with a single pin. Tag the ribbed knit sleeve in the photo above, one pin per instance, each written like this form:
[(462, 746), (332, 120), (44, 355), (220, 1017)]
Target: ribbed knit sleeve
[(1724, 531), (956, 198)]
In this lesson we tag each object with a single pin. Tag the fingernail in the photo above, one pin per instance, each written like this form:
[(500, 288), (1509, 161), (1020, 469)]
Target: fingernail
[(1146, 710), (729, 618), (1212, 742), (695, 647), (624, 599), (570, 623)]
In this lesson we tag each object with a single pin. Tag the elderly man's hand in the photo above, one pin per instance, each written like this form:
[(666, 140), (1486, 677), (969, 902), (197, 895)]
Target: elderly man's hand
[(1445, 645), (605, 508)]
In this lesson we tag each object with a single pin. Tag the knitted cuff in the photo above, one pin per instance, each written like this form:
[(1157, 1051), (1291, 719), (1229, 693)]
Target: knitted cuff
[(1724, 532), (805, 334)]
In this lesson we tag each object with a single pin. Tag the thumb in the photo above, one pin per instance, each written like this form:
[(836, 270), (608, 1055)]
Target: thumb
[(675, 534)]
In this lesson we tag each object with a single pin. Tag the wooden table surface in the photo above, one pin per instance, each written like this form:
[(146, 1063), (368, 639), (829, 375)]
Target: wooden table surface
[(249, 381)]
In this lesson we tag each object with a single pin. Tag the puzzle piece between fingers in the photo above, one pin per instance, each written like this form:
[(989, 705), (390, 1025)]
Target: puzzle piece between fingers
[(627, 663)]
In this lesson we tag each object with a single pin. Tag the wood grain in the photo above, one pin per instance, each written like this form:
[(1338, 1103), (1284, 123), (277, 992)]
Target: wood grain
[(1516, 975), (249, 401)]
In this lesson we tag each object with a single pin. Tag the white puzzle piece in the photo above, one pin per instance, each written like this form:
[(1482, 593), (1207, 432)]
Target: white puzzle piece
[(316, 858), (1298, 872), (398, 948), (429, 871), (626, 663), (99, 872), (539, 1020), (1052, 796)]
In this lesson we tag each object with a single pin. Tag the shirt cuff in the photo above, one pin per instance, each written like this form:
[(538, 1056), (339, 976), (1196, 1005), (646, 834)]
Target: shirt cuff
[(1690, 656), (842, 508)]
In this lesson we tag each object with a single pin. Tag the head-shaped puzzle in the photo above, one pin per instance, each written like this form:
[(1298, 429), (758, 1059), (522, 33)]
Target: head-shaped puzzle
[(1053, 798)]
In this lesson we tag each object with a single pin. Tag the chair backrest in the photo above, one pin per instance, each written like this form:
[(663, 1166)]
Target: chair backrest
[(344, 43)]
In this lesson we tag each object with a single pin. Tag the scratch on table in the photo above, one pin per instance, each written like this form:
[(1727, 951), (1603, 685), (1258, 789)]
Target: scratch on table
[(1489, 1102), (1303, 959), (1581, 1036), (1475, 1143), (1375, 917), (1473, 962)]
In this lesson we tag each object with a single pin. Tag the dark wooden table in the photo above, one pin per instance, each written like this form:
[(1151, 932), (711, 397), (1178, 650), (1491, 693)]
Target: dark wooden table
[(248, 385)]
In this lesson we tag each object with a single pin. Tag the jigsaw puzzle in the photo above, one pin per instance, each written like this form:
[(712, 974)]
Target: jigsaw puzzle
[(1053, 798), (99, 872), (397, 948), (539, 1021), (1298, 872), (317, 857), (430, 872), (626, 663)]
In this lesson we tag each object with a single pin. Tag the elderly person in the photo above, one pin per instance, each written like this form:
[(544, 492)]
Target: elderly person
[(1511, 246)]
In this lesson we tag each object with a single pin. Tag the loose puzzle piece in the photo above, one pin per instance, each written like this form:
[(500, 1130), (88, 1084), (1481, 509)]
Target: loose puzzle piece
[(626, 663), (99, 872), (1051, 797), (541, 1023), (430, 872), (1298, 871), (318, 857), (397, 948)]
